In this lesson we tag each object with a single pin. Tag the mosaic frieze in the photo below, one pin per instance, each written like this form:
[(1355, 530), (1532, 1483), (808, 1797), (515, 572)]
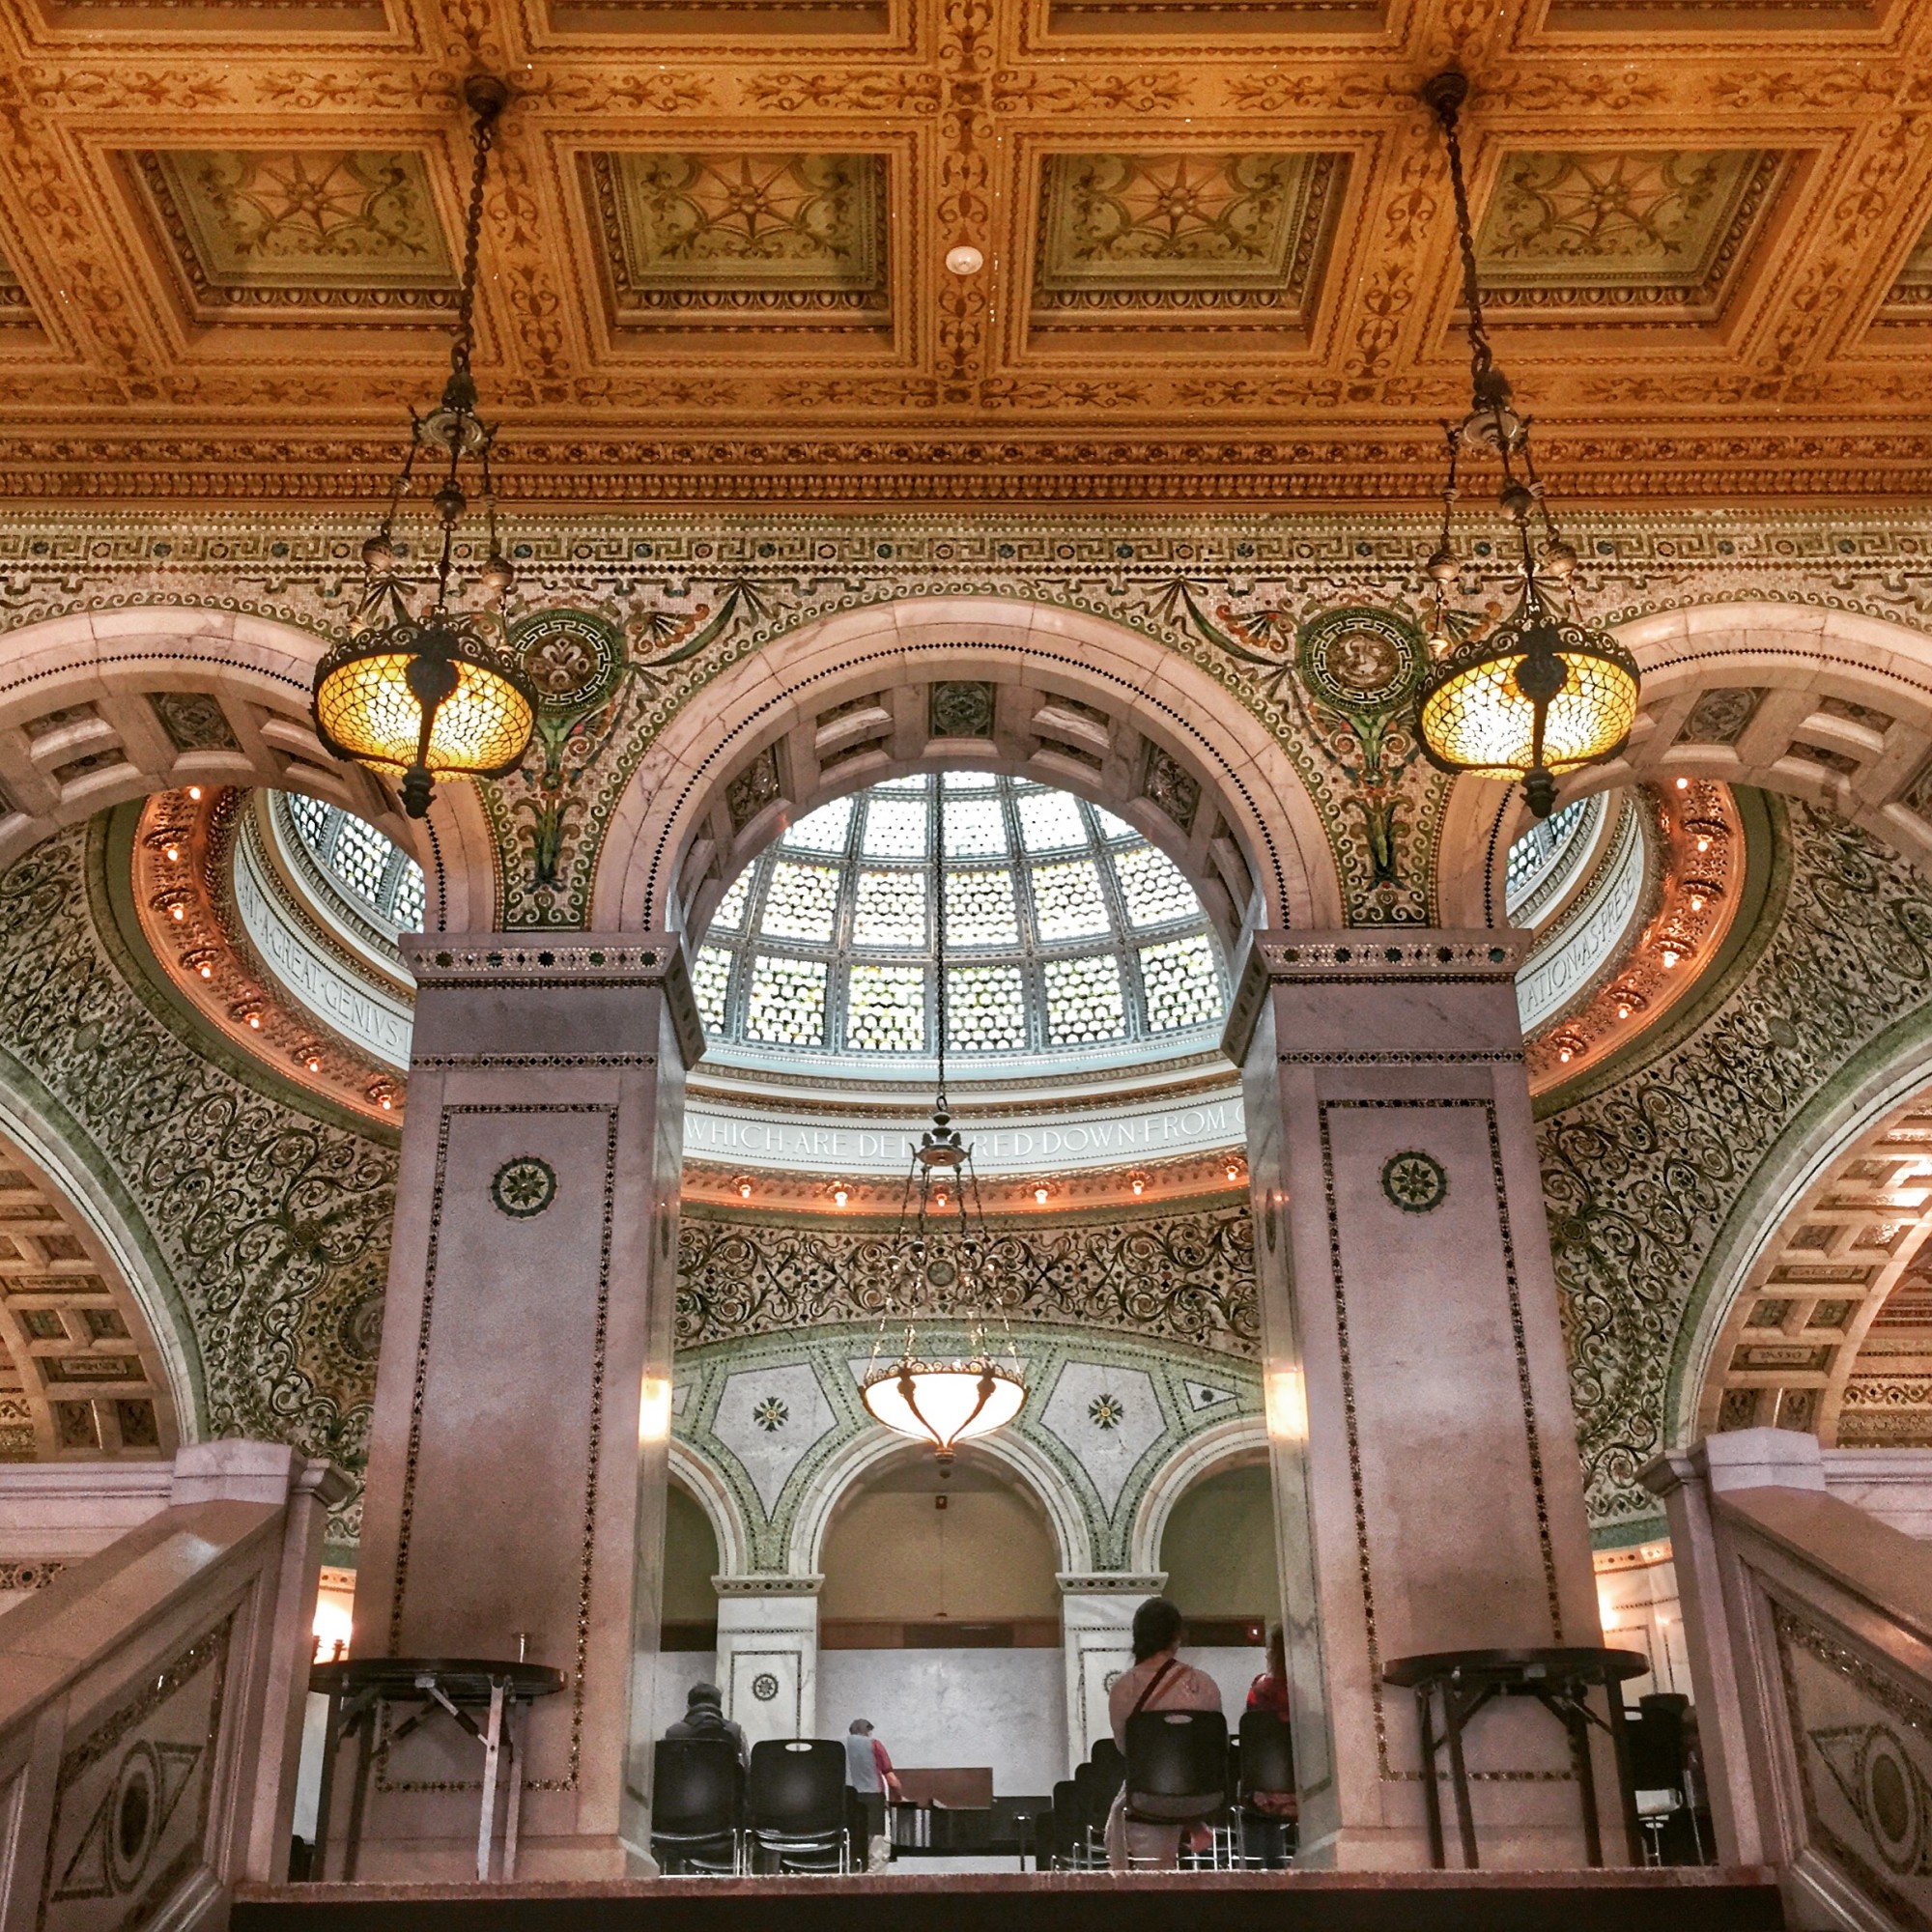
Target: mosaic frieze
[(1184, 1277), (1642, 1175)]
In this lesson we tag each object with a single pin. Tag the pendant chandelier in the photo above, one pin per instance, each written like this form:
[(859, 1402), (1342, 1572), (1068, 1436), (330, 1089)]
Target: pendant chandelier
[(944, 1268), (438, 696), (1542, 693)]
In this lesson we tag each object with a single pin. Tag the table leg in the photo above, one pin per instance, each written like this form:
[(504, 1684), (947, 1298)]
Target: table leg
[(486, 1825), (358, 1793), (1578, 1725), (1453, 1721), (1431, 1795), (516, 1802), (1626, 1788)]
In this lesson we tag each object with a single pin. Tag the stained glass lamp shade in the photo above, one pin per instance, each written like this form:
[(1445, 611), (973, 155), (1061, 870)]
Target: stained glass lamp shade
[(1538, 698), (452, 704)]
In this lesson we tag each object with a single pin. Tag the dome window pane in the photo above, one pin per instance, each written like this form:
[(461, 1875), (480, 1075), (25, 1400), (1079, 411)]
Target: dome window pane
[(784, 1005), (885, 1009), (1154, 887), (1083, 1001), (896, 828), (891, 909), (913, 781), (731, 913), (979, 909), (1182, 987), (360, 858), (822, 831), (985, 1009), (710, 983), (1050, 822), (1112, 828), (406, 906), (969, 782), (1067, 902), (976, 828), (311, 817), (801, 903)]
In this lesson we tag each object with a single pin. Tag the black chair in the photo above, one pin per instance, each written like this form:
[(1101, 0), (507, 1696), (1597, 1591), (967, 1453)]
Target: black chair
[(1110, 1771), (1177, 1766), (698, 1803), (795, 1805), (1266, 1764), (1057, 1842), (1089, 1849), (1659, 1769)]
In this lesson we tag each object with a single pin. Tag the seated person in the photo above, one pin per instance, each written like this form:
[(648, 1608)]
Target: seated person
[(1270, 1692), (705, 1718), (1157, 1682)]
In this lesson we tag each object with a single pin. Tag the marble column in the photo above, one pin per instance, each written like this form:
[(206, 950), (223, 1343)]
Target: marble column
[(516, 1460), (1427, 1483), (1096, 1616), (768, 1653)]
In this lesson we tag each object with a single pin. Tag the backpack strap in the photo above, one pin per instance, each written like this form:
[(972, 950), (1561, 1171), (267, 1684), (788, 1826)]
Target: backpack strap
[(1153, 1684)]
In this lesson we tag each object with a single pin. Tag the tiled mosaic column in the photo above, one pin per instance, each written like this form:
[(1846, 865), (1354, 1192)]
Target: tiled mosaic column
[(1427, 1483), (1096, 1618), (768, 1653), (517, 1461)]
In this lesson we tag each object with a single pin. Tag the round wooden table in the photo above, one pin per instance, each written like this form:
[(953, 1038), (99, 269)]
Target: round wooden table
[(1560, 1680)]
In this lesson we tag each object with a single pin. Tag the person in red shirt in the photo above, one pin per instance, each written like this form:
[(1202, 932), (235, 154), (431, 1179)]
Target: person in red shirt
[(1270, 1692)]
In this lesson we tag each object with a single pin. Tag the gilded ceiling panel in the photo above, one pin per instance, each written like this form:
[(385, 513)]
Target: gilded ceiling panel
[(13, 307), (1657, 230), (756, 237), (261, 230), (1910, 295), (1182, 235)]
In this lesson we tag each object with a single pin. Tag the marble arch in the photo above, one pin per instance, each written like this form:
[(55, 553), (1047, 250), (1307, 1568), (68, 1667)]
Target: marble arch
[(1228, 1445), (868, 1452), (694, 1472), (1078, 701), (99, 707), (1830, 706)]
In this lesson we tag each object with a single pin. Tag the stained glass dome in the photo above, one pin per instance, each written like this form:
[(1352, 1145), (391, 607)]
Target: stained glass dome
[(377, 877), (1069, 937)]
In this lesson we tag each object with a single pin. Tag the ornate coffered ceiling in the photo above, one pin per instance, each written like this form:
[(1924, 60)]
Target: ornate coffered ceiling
[(1213, 255)]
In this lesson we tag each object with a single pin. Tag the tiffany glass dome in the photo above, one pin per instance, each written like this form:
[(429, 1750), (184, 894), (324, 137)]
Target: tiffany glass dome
[(1070, 939), (377, 878)]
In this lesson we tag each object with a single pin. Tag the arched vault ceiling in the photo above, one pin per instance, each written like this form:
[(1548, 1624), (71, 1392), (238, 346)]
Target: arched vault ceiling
[(1215, 257)]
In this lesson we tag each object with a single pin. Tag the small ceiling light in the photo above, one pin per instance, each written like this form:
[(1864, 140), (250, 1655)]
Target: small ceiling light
[(743, 1186), (1696, 901), (965, 260), (839, 1195), (194, 792), (255, 1022), (1233, 1170), (314, 1065), (1623, 1011), (173, 853), (1703, 844), (1541, 694), (1670, 957), (1040, 1196), (177, 912), (1138, 1182), (1683, 784), (205, 971), (438, 696), (386, 1103)]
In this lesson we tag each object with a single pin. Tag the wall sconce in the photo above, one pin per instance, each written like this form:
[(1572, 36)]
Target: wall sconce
[(654, 1410)]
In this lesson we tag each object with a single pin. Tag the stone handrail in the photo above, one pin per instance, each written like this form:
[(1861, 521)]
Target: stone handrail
[(151, 1698), (1811, 1627)]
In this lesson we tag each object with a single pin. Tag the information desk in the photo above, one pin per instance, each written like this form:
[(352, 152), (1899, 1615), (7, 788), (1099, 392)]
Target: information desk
[(1561, 1681), (364, 1692)]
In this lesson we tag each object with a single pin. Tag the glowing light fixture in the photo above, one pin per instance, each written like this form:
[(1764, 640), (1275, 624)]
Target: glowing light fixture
[(1542, 693), (438, 696), (945, 1270)]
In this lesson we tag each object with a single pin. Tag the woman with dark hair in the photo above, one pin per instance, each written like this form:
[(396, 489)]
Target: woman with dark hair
[(1158, 1682)]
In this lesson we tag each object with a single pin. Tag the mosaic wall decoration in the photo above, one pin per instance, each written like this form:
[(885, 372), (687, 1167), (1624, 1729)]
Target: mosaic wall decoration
[(269, 1229), (1182, 1277), (1645, 1172)]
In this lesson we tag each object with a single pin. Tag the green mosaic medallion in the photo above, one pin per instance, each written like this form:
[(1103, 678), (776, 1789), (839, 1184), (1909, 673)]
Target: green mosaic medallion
[(523, 1186), (1415, 1180)]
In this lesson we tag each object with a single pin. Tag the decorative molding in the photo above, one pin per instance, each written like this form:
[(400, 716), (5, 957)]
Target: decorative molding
[(1360, 954)]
